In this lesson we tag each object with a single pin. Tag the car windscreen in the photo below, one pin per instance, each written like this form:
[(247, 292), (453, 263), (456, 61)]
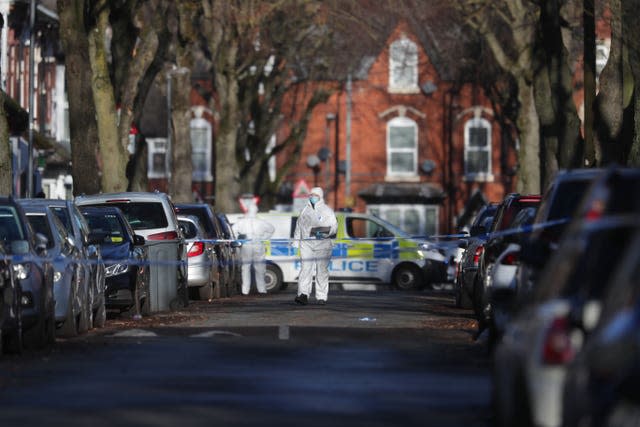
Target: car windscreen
[(10, 228), (190, 229), (568, 198), (143, 215), (109, 225), (40, 225), (202, 216)]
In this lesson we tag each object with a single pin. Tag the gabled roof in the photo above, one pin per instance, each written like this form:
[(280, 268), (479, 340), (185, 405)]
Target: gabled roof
[(438, 28)]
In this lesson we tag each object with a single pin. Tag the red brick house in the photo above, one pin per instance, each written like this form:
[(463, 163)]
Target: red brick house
[(420, 146)]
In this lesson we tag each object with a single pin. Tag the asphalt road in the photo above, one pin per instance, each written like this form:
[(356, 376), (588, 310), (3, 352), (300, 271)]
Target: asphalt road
[(384, 358)]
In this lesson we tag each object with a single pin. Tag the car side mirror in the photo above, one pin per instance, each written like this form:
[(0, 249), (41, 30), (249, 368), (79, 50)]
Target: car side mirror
[(138, 240), (236, 243), (19, 247), (463, 244)]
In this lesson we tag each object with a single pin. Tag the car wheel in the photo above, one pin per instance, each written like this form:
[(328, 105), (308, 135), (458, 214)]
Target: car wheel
[(407, 277), (12, 340), (145, 307), (205, 292), (69, 327), (100, 315), (84, 318), (521, 412), (223, 284), (272, 278), (34, 337)]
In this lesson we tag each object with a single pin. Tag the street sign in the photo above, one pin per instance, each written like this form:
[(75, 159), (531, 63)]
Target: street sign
[(301, 189), (247, 200)]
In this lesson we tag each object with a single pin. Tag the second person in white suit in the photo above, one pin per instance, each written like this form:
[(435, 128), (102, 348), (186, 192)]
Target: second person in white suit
[(253, 231)]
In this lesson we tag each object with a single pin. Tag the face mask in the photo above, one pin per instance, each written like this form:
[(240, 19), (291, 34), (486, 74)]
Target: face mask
[(314, 200)]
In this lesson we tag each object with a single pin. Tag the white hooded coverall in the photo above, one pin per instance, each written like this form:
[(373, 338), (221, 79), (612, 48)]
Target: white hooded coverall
[(314, 252), (252, 252)]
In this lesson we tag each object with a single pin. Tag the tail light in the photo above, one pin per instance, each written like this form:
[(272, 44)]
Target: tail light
[(557, 348), (510, 259), (477, 255), (595, 210), (167, 235), (196, 249)]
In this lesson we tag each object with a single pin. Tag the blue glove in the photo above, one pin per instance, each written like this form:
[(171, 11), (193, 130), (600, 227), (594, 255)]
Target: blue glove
[(319, 235)]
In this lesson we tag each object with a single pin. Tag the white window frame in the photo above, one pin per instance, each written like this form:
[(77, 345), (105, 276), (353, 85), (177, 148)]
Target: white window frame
[(403, 54), (206, 175), (487, 175), (157, 145), (399, 122), (381, 210)]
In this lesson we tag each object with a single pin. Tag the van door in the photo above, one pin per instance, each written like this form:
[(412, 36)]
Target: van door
[(364, 250)]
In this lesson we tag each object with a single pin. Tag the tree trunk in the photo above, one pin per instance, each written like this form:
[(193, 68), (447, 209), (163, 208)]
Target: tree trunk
[(180, 187), (528, 154), (226, 175), (114, 155), (85, 168), (6, 170), (561, 145), (632, 31), (610, 99)]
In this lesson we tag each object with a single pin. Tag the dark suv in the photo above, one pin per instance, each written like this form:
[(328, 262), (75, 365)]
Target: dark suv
[(559, 203), (500, 236)]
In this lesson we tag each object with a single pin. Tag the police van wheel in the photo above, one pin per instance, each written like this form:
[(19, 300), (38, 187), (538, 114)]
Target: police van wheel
[(407, 277), (272, 278)]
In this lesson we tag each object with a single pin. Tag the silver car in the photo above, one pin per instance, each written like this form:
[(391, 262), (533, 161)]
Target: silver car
[(202, 263), (152, 216), (72, 307)]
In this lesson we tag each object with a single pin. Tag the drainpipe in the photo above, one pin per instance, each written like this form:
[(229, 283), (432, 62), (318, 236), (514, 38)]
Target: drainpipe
[(32, 45)]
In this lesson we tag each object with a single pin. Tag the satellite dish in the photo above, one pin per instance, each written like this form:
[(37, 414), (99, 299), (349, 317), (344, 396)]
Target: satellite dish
[(324, 153), (313, 161), (429, 87), (428, 166)]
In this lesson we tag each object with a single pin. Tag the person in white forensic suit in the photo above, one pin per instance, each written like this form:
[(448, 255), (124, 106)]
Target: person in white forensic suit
[(316, 223), (253, 231)]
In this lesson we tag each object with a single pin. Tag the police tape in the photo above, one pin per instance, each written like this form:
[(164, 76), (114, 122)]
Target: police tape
[(438, 243)]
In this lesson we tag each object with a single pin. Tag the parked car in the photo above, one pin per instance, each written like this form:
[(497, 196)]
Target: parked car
[(152, 216), (70, 286), (501, 282), (202, 260), (501, 234), (473, 247), (125, 257), (34, 273), (559, 203), (10, 308), (77, 227), (550, 328), (227, 279), (601, 386)]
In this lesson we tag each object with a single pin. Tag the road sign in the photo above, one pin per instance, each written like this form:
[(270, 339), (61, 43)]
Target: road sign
[(301, 189), (247, 200)]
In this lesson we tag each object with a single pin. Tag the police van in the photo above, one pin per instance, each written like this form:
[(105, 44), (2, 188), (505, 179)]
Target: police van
[(366, 249)]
